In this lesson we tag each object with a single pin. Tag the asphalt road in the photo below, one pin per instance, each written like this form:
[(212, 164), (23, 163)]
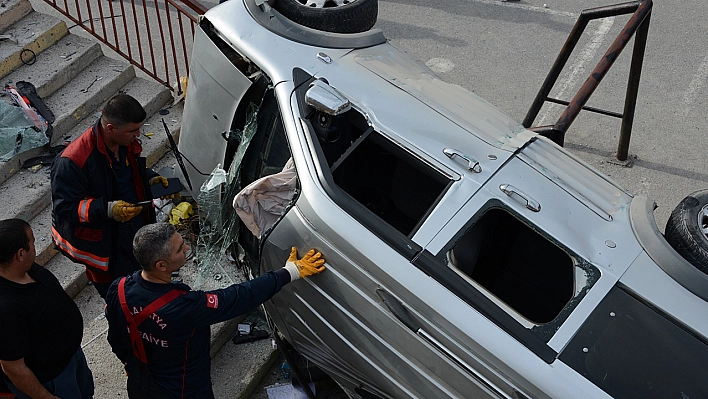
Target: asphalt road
[(502, 51)]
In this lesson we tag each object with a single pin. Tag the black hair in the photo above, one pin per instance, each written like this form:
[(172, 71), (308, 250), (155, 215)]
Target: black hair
[(122, 110), (13, 236)]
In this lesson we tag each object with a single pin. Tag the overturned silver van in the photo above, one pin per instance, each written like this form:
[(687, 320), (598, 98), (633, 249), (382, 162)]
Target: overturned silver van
[(467, 256)]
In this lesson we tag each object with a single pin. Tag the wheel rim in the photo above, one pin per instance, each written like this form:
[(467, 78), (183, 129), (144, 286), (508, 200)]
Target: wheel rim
[(703, 221), (325, 3)]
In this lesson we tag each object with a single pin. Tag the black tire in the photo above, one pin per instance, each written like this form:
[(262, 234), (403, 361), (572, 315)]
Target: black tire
[(687, 229), (355, 17)]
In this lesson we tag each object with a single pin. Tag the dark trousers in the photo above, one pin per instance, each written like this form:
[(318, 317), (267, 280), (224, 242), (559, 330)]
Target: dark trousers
[(123, 262), (141, 385)]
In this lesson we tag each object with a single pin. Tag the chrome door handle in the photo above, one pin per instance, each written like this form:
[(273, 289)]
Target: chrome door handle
[(472, 163), (515, 193)]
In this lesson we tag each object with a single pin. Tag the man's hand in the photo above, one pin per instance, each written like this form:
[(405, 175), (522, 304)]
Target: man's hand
[(311, 263), (163, 180), (159, 179), (123, 211)]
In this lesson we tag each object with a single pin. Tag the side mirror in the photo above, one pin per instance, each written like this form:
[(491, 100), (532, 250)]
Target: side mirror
[(326, 98)]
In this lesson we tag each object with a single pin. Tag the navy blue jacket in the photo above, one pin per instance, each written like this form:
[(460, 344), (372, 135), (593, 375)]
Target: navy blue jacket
[(83, 182), (177, 336)]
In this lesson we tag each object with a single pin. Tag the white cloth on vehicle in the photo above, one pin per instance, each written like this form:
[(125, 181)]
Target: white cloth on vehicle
[(260, 204)]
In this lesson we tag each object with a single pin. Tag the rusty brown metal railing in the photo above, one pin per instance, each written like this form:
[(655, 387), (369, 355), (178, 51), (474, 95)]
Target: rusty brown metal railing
[(154, 35), (638, 26)]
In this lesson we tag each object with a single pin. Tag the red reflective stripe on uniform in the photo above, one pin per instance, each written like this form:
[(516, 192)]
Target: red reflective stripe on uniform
[(88, 258), (7, 395), (84, 207)]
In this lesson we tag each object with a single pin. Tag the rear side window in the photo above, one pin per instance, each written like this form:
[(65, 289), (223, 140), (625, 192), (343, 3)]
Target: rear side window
[(631, 351), (516, 265), (532, 278)]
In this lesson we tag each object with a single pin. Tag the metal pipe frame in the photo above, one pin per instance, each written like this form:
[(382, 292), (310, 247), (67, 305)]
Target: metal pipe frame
[(638, 24)]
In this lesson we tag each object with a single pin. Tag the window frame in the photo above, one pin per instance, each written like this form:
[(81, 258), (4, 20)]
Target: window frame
[(401, 243)]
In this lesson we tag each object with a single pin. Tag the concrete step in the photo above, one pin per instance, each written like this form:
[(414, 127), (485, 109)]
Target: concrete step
[(58, 65), (92, 87), (12, 11), (42, 228), (34, 33), (29, 193), (238, 369)]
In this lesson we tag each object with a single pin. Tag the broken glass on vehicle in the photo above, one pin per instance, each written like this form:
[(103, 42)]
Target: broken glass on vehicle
[(219, 225)]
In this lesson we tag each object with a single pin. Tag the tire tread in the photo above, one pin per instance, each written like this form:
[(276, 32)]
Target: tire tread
[(683, 232), (356, 17)]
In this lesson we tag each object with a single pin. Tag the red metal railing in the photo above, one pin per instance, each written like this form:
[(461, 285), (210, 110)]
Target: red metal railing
[(154, 35)]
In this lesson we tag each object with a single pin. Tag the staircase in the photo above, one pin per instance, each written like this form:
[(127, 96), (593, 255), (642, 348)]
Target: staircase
[(75, 79)]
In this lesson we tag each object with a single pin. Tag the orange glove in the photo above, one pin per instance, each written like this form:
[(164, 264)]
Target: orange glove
[(311, 263), (123, 211)]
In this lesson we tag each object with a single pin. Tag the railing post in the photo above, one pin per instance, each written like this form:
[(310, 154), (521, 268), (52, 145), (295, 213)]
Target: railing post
[(635, 73), (638, 26), (596, 76), (556, 69)]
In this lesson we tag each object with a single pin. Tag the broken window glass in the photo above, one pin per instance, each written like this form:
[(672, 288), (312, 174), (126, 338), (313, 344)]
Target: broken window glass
[(17, 132), (219, 224)]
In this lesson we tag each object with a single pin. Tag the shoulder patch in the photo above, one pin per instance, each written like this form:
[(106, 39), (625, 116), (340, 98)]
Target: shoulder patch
[(212, 301)]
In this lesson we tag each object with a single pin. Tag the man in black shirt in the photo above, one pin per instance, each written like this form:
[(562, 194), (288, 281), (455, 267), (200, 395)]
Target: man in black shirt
[(40, 341)]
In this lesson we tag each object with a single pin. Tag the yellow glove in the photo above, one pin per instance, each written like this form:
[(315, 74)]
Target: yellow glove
[(311, 263), (123, 211), (159, 179)]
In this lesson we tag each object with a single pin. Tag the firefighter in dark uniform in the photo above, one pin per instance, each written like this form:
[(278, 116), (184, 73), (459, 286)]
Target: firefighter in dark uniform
[(96, 182), (160, 329)]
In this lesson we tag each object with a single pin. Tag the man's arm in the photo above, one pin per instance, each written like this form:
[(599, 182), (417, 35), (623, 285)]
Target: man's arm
[(24, 379), (69, 194), (210, 307)]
